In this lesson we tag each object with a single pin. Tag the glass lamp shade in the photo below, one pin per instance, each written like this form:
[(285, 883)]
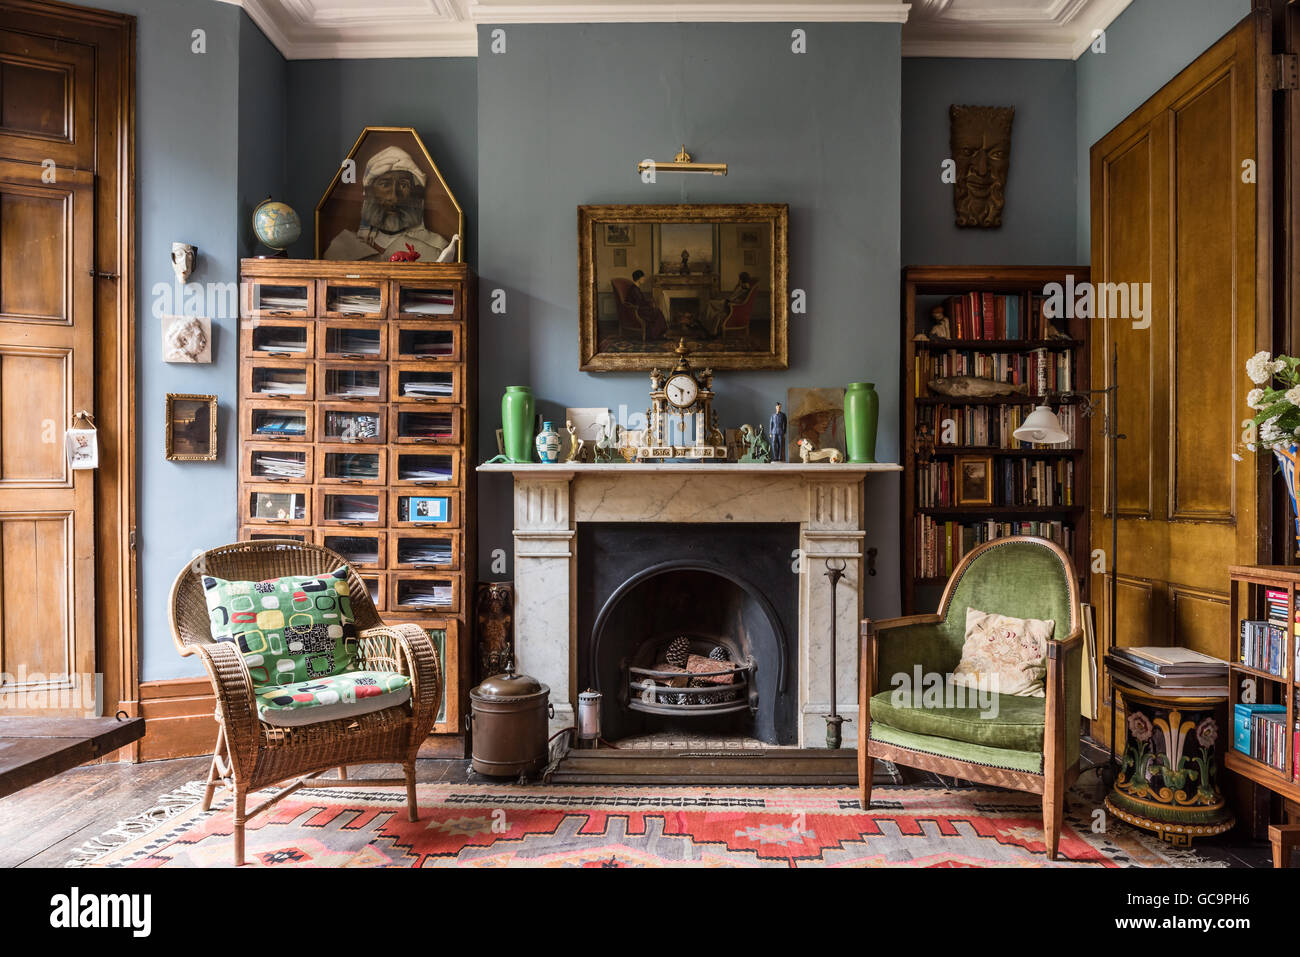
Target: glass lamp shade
[(1042, 425)]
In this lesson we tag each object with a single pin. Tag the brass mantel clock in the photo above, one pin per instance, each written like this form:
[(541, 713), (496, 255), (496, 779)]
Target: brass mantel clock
[(685, 396)]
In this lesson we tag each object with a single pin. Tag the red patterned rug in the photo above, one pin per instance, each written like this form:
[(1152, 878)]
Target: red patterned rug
[(471, 825)]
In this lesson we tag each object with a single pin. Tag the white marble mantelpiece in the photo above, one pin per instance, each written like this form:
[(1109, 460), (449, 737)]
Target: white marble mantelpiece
[(826, 500)]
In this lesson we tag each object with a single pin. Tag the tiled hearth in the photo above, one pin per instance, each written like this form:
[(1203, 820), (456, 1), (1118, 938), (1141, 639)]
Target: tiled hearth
[(824, 500)]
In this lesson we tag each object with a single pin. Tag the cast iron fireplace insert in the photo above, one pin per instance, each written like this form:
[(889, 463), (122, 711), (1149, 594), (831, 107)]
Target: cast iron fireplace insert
[(728, 586)]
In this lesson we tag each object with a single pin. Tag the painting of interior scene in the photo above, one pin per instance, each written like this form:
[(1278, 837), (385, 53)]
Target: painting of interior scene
[(711, 284)]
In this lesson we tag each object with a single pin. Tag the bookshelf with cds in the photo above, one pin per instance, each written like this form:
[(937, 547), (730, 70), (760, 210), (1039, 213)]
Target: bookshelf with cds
[(996, 331), (356, 428)]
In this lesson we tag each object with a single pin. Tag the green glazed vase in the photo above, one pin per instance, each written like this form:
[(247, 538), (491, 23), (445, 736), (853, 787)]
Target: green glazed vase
[(517, 417), (861, 416)]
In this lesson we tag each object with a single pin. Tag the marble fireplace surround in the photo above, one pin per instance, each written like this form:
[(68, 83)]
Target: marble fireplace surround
[(826, 500)]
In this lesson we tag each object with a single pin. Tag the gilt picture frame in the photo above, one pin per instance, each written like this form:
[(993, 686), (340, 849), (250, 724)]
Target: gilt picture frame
[(191, 427), (713, 275)]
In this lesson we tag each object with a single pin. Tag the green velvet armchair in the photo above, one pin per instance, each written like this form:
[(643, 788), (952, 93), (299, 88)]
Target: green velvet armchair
[(1032, 744)]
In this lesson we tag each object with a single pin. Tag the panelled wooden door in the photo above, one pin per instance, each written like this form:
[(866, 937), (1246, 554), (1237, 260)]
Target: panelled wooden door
[(1170, 207), (47, 372)]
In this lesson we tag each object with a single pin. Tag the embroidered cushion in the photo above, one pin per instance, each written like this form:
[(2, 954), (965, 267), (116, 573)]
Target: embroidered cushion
[(1003, 654), (344, 695), (289, 629)]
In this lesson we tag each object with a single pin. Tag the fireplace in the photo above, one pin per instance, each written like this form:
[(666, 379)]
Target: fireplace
[(750, 543), (724, 597)]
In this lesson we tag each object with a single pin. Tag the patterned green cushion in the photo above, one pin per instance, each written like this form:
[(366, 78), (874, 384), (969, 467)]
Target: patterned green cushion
[(325, 699), (289, 629)]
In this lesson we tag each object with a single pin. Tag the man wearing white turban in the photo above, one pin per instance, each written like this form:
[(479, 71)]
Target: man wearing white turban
[(392, 213)]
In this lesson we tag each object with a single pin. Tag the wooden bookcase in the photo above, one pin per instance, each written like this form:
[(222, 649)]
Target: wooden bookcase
[(1246, 601), (357, 386), (923, 288)]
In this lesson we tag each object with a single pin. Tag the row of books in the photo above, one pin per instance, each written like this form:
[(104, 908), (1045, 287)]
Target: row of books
[(1260, 731), (940, 546), (991, 315), (1017, 368), (1275, 600), (1014, 482), (986, 426), (1264, 646)]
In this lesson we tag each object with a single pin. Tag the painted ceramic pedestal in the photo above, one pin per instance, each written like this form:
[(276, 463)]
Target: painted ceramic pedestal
[(1169, 772)]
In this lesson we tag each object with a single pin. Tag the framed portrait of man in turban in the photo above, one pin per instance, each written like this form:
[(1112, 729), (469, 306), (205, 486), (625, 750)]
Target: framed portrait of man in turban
[(388, 197)]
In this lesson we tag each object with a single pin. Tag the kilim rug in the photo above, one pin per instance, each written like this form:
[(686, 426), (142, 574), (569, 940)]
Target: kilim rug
[(472, 825)]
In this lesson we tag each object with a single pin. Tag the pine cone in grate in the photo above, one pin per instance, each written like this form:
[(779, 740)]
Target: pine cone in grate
[(679, 649), (720, 653)]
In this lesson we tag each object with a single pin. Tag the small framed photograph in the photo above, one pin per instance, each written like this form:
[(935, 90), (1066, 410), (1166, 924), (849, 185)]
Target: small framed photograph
[(619, 234), (191, 427), (427, 508), (974, 479), (281, 506)]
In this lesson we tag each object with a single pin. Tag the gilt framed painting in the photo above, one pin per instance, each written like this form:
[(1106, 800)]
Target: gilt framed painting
[(712, 275)]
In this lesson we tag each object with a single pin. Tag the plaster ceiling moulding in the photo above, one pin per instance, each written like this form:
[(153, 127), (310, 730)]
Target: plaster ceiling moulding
[(1014, 29), (690, 11), (352, 29)]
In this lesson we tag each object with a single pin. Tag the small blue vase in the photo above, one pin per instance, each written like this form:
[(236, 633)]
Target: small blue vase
[(548, 444)]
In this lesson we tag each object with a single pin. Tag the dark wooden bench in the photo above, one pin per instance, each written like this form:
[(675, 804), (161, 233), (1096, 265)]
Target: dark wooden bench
[(33, 749)]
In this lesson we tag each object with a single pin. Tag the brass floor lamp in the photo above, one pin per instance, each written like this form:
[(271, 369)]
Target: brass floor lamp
[(1042, 425)]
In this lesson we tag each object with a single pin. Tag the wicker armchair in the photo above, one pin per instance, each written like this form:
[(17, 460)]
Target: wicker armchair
[(251, 755)]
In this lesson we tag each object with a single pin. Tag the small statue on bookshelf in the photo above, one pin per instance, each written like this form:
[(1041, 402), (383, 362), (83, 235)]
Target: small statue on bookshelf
[(939, 328)]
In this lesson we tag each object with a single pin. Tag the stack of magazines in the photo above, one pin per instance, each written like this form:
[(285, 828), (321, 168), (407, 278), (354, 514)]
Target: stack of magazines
[(1176, 671)]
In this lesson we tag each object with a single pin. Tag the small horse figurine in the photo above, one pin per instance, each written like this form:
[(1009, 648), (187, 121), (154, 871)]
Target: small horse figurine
[(810, 453)]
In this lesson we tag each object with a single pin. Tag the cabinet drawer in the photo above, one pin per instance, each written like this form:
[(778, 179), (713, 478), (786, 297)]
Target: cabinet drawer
[(351, 507), (424, 382), (352, 340), (276, 505), (352, 424), (350, 464), (277, 338), (277, 379), (352, 299), (425, 509), (278, 298), (419, 299), (361, 548), (422, 548), (377, 585), (256, 533), (418, 466), (426, 341), (270, 420), (353, 381), (425, 426), (424, 592), (277, 462)]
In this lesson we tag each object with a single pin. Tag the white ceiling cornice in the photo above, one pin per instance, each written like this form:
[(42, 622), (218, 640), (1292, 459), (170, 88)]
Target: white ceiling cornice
[(355, 29), (1015, 29)]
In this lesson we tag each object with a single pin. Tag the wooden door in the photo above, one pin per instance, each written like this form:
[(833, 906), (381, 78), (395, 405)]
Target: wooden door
[(1170, 207), (47, 373)]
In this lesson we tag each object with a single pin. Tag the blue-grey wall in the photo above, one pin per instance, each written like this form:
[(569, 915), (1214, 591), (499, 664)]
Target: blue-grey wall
[(1147, 46), (263, 129), (1038, 221), (330, 102), (186, 155), (565, 114)]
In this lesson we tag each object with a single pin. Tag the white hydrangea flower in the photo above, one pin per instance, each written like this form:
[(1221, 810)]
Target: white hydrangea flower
[(1260, 367), (1292, 395), (1254, 398), (1269, 433)]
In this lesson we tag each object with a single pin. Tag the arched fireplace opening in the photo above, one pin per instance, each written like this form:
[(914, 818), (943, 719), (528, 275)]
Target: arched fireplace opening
[(694, 647)]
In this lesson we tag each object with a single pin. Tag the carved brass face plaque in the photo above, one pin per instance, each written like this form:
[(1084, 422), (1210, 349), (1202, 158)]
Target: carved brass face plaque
[(980, 139)]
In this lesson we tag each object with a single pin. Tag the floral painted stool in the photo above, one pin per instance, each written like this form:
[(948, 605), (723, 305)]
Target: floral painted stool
[(1169, 772)]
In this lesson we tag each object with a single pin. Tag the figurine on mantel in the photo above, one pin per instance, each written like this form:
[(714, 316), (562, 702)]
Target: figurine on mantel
[(607, 444), (810, 453), (776, 427), (756, 448), (576, 444)]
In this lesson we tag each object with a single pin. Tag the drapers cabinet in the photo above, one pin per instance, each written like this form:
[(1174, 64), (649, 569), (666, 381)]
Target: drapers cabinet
[(356, 429)]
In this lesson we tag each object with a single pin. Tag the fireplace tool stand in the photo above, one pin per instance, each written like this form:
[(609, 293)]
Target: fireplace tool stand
[(834, 720)]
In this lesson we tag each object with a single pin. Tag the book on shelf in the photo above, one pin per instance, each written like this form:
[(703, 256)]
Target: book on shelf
[(1172, 660), (1036, 482), (279, 466), (277, 424), (939, 546), (989, 426), (992, 315), (1014, 368), (1193, 686)]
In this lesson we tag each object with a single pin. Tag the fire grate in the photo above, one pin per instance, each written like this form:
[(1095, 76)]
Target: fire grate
[(650, 691)]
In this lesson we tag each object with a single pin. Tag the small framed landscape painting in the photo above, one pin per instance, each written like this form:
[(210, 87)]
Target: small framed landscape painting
[(191, 427), (712, 276), (974, 479)]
